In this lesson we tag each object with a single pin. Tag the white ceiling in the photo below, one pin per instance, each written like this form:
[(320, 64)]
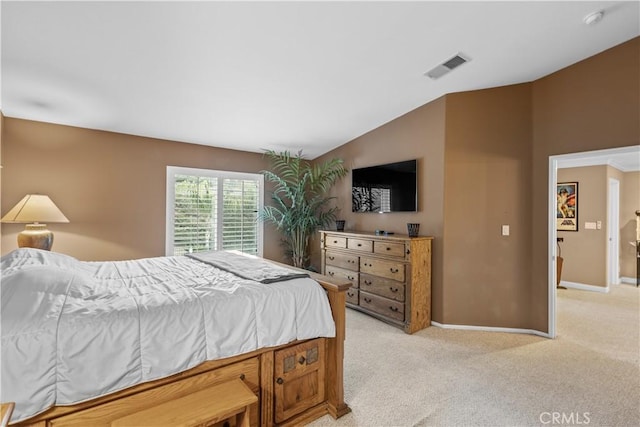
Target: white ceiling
[(625, 159), (278, 75)]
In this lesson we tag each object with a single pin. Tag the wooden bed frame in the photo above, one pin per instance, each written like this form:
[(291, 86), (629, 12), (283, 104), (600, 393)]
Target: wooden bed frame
[(257, 370)]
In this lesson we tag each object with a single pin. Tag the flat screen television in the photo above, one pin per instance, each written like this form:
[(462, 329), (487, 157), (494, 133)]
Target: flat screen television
[(391, 187)]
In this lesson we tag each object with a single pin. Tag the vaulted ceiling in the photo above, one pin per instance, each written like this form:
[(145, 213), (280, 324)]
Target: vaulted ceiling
[(278, 75)]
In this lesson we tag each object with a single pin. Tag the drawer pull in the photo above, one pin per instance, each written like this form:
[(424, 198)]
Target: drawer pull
[(359, 244), (301, 360), (394, 309), (367, 300), (392, 289), (368, 282), (242, 377), (332, 258), (280, 381), (394, 270), (331, 273), (388, 248), (335, 241), (351, 261), (350, 278)]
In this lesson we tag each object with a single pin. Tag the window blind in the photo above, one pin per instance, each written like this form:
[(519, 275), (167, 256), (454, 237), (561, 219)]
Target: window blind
[(240, 215), (213, 210)]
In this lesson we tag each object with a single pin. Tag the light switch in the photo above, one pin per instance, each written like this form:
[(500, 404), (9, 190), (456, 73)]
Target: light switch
[(589, 225), (505, 230)]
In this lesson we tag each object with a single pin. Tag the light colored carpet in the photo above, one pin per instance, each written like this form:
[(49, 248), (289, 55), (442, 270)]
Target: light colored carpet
[(589, 375)]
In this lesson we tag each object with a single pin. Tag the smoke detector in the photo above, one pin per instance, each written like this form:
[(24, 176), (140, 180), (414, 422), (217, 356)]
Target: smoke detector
[(446, 66), (594, 17)]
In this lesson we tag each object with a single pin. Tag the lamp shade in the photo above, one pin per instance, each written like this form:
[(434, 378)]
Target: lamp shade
[(35, 208)]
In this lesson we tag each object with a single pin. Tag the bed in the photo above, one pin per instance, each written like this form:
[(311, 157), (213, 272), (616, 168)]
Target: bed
[(91, 342)]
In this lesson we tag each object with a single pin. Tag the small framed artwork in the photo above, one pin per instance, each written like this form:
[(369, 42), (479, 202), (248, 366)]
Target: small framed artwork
[(567, 206)]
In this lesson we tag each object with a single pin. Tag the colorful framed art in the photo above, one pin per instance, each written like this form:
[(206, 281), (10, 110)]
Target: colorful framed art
[(567, 206)]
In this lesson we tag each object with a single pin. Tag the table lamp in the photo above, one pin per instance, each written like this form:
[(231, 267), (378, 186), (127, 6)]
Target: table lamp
[(35, 209)]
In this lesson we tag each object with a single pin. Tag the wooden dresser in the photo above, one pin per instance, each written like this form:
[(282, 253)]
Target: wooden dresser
[(390, 274)]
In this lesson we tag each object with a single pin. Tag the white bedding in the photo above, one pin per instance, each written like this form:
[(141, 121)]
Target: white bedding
[(73, 331)]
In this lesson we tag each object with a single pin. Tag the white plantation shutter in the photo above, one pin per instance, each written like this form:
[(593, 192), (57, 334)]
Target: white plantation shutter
[(194, 214), (213, 210), (240, 207)]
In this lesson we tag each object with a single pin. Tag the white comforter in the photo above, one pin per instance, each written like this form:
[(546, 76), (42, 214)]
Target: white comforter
[(73, 331)]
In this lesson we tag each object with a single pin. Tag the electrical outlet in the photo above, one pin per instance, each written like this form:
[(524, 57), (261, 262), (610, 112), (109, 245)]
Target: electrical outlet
[(599, 225)]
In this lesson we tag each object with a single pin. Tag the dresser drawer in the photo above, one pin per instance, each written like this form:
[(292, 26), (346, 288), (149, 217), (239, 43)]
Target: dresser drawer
[(350, 262), (353, 296), (383, 287), (362, 245), (379, 267), (383, 306), (393, 274), (341, 273), (333, 241), (393, 249)]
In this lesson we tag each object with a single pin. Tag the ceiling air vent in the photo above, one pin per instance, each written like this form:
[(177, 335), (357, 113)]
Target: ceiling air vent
[(446, 66)]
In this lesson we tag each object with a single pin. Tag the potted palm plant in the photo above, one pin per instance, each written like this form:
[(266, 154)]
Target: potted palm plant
[(300, 202)]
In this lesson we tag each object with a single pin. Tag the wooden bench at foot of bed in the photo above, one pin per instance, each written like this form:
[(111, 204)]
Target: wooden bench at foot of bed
[(294, 383), (227, 401)]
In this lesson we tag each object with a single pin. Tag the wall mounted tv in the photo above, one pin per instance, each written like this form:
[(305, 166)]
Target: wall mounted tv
[(391, 187)]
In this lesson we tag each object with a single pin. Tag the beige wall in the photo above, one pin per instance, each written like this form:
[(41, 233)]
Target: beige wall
[(111, 186), (585, 251), (629, 204), (591, 105)]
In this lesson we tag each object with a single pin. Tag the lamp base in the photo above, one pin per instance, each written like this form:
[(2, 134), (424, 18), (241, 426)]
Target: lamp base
[(36, 236)]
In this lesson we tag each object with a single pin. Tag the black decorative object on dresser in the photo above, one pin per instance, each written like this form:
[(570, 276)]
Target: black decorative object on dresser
[(390, 274)]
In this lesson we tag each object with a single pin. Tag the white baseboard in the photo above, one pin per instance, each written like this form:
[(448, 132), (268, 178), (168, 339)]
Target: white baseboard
[(583, 287), (491, 329), (628, 280)]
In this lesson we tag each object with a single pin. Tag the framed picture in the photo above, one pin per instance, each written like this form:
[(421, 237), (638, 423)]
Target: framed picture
[(567, 206)]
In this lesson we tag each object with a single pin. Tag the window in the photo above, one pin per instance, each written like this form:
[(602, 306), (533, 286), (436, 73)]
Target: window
[(212, 210)]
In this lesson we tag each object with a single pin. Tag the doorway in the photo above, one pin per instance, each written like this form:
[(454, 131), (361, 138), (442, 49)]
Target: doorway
[(620, 158), (613, 233)]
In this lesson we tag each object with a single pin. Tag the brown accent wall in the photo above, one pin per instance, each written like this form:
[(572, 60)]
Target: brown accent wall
[(416, 135), (494, 143), (584, 252), (591, 105), (111, 186), (487, 182), (629, 204)]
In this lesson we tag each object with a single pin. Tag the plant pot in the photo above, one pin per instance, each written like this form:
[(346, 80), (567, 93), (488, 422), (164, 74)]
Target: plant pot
[(413, 229)]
